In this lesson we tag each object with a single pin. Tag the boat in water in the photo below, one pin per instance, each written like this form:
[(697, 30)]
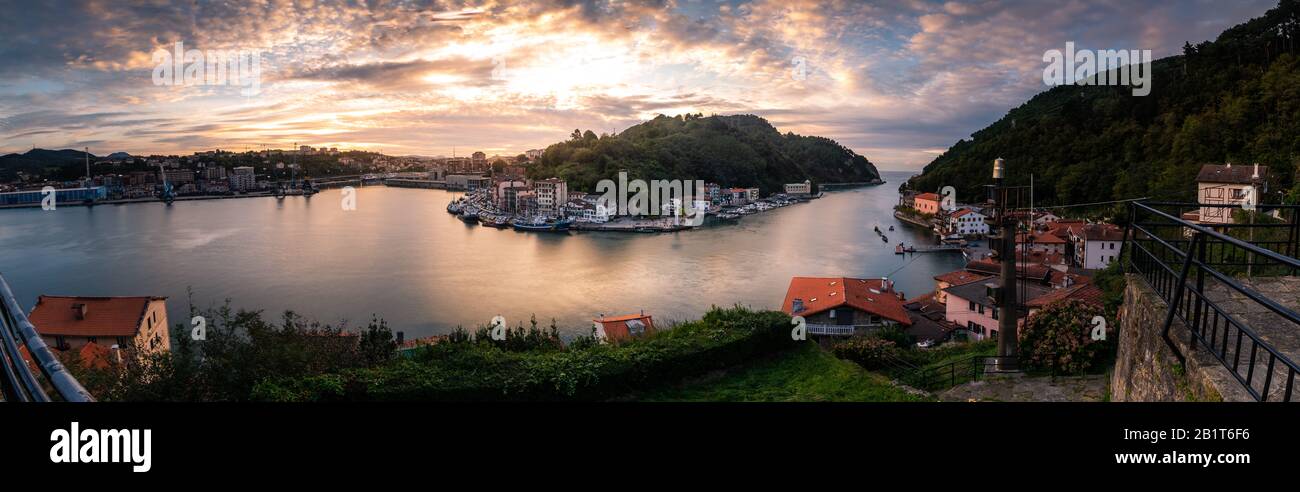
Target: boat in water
[(538, 224), (494, 221), (469, 215), (454, 207)]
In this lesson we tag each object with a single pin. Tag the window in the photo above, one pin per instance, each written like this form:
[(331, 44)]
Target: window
[(995, 313), (972, 305), (981, 309)]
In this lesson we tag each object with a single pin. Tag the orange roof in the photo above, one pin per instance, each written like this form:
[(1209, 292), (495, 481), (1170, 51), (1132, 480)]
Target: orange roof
[(928, 196), (1040, 238), (105, 316), (960, 277), (95, 356), (819, 294), (616, 327)]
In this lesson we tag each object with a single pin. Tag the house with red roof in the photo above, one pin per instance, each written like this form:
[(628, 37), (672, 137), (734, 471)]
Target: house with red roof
[(137, 324), (927, 203), (625, 327), (967, 222), (844, 306)]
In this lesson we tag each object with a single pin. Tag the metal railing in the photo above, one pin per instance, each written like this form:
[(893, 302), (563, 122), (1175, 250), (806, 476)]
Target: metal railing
[(1193, 266), (959, 371), (17, 379), (824, 329)]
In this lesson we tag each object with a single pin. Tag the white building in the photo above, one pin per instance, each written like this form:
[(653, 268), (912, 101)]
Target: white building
[(967, 222), (1229, 185), (552, 194), (243, 178), (1096, 245), (804, 188)]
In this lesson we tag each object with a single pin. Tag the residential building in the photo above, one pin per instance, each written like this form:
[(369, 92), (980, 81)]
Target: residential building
[(799, 189), (950, 279), (843, 306), (243, 178), (1226, 184), (929, 324), (499, 192), (468, 182), (1096, 245), (178, 177), (552, 194), (967, 222), (137, 324), (927, 203), (533, 154), (625, 327), (1088, 293)]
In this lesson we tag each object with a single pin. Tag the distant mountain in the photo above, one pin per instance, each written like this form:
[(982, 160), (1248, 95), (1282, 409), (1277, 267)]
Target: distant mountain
[(119, 156), (50, 162), (740, 150), (1236, 99)]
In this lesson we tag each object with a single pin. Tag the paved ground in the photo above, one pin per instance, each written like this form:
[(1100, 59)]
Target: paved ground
[(1024, 388), (1275, 330)]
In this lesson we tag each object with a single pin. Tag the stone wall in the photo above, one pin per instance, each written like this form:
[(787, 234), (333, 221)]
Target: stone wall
[(1147, 370)]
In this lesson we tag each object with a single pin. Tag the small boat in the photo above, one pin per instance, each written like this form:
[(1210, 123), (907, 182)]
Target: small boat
[(469, 215), (891, 228), (884, 238), (454, 207), (494, 221)]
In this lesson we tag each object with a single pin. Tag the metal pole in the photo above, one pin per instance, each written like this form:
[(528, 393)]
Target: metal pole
[(1007, 336)]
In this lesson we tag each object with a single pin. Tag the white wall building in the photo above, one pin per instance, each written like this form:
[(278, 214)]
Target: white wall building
[(967, 222), (1227, 184), (552, 194)]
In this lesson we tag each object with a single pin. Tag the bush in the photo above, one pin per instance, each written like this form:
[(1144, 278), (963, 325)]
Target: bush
[(473, 370), (869, 352), (1059, 338)]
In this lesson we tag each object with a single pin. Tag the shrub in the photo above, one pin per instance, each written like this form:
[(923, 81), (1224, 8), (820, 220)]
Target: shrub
[(1059, 338), (869, 352)]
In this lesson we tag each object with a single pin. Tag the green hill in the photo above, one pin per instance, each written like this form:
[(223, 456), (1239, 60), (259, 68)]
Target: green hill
[(1236, 99), (739, 150)]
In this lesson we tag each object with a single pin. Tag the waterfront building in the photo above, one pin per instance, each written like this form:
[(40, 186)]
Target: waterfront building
[(503, 190), (134, 324), (799, 189), (967, 222), (478, 160), (525, 202), (179, 177), (843, 306), (243, 178), (552, 194), (213, 173), (625, 327), (1226, 184), (714, 192), (927, 203), (468, 182), (64, 195)]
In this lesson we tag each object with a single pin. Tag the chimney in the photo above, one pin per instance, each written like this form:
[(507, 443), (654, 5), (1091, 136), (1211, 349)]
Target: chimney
[(1256, 175), (80, 308), (116, 352), (796, 306)]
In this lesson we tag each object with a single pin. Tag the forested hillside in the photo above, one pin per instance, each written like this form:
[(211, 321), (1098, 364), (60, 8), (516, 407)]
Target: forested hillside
[(1236, 99), (740, 150)]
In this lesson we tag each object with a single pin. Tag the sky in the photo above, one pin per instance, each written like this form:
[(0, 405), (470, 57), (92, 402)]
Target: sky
[(897, 82)]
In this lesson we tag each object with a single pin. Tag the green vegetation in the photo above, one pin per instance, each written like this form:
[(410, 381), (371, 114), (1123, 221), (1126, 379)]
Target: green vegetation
[(806, 373), (1236, 99), (1059, 339), (739, 150)]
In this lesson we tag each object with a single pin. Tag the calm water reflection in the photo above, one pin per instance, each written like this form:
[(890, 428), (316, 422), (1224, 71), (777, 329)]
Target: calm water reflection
[(402, 257)]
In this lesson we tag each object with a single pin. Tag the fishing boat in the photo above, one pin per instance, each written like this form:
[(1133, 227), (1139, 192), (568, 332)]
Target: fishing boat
[(469, 215), (891, 228), (539, 224), (494, 221), (454, 207), (884, 238)]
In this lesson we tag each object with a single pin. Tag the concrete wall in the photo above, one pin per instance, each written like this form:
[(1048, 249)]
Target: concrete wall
[(1147, 370)]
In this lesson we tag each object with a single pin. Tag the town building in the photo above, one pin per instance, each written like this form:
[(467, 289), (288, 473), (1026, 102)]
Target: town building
[(967, 222), (1096, 245), (625, 327), (135, 324), (950, 279), (552, 194), (243, 178), (533, 154), (843, 306), (927, 203), (1229, 185), (468, 182), (799, 189)]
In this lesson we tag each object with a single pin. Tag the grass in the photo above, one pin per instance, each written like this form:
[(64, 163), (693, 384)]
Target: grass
[(802, 374)]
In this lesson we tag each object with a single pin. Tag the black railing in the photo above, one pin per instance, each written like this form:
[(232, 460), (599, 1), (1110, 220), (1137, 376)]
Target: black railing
[(958, 371), (17, 379), (1196, 268)]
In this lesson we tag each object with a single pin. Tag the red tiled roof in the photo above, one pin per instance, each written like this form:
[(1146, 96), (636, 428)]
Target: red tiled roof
[(822, 293), (1102, 232), (1088, 293), (928, 196), (993, 267), (95, 356), (616, 328), (105, 316), (962, 212), (960, 277), (1040, 238)]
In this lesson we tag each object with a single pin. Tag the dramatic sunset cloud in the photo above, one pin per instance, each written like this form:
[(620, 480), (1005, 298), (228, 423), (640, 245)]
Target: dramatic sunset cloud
[(896, 81)]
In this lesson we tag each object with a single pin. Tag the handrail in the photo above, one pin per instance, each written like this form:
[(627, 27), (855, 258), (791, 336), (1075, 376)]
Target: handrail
[(1179, 277), (20, 383)]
